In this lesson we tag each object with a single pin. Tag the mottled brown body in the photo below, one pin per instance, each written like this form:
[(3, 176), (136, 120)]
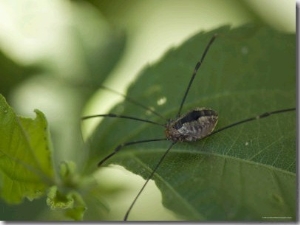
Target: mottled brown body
[(192, 126)]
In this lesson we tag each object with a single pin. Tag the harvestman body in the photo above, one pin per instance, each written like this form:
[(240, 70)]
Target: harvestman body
[(192, 126)]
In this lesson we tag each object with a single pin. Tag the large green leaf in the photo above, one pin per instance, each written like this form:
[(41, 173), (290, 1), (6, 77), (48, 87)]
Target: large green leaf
[(243, 173), (25, 155)]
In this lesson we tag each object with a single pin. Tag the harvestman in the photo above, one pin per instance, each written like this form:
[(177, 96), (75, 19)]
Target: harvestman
[(192, 126)]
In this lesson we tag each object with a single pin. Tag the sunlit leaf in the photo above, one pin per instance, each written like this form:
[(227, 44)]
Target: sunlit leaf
[(25, 162)]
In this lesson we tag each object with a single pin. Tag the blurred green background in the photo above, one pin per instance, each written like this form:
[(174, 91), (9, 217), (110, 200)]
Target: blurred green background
[(54, 55)]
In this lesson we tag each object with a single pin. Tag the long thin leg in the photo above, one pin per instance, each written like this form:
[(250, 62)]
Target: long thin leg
[(129, 99), (121, 116), (119, 147), (151, 175), (195, 72), (264, 115)]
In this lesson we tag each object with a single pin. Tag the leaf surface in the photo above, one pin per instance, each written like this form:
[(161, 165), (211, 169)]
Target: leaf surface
[(25, 155), (244, 173)]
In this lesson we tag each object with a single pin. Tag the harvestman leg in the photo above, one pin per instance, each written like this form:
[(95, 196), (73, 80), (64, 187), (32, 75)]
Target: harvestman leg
[(178, 115)]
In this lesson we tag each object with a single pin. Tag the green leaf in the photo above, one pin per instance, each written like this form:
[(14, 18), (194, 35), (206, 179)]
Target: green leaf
[(78, 209), (25, 155), (244, 173), (71, 202), (56, 199)]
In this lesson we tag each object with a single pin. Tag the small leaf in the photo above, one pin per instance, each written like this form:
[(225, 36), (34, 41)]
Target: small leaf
[(71, 202), (25, 155), (243, 173), (58, 200), (78, 209), (66, 197)]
